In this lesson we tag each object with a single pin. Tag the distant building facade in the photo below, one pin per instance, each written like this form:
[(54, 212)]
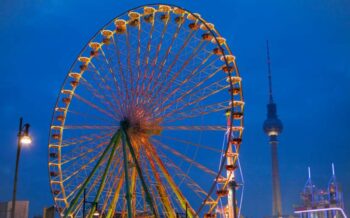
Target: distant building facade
[(21, 210), (49, 212)]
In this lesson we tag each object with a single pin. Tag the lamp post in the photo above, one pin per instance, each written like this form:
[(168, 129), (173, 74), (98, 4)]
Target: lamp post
[(22, 138), (94, 205), (179, 215)]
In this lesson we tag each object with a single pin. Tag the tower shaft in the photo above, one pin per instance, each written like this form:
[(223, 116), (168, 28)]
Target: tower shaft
[(276, 203)]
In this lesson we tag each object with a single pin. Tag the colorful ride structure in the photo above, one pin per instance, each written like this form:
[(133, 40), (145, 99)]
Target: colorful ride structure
[(319, 203), (137, 127)]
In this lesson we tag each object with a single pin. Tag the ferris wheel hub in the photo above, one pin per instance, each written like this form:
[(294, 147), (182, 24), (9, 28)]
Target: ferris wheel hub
[(141, 127)]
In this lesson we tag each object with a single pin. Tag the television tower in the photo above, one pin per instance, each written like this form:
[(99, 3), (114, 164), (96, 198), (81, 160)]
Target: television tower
[(273, 127)]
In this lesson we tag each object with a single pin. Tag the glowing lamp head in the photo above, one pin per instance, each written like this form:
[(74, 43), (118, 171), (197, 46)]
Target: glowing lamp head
[(24, 137), (96, 212), (26, 140)]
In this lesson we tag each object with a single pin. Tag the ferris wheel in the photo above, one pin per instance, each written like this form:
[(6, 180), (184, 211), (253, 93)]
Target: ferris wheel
[(138, 124)]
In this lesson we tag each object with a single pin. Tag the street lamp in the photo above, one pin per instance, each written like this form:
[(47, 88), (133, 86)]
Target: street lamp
[(94, 206), (22, 138)]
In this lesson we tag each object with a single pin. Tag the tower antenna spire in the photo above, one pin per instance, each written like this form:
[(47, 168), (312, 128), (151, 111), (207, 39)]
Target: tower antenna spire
[(269, 71), (333, 171), (309, 171)]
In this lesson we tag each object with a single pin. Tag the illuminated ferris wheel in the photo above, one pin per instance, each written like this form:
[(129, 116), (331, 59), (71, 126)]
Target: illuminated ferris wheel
[(138, 124)]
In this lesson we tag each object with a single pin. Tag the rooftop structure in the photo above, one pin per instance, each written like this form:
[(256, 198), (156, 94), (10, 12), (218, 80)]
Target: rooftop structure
[(49, 212), (321, 203), (21, 211)]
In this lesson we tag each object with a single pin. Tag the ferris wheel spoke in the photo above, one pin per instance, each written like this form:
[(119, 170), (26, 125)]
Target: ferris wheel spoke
[(114, 78), (83, 153), (187, 142), (198, 111), (148, 47), (207, 72), (134, 178), (197, 128), (183, 201), (113, 204), (110, 106), (130, 68), (159, 82), (165, 57), (89, 191), (187, 159), (79, 127), (70, 189), (85, 138), (163, 86), (96, 180), (121, 72), (197, 189), (146, 59), (75, 200), (194, 92), (113, 178), (165, 200), (73, 188), (139, 171), (137, 91), (82, 168), (187, 81), (188, 78), (155, 60), (152, 187), (84, 150), (105, 172), (174, 60), (197, 93), (133, 188), (90, 116), (92, 105), (75, 168), (206, 94)]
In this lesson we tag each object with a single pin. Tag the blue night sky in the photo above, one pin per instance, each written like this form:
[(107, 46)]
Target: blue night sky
[(310, 52)]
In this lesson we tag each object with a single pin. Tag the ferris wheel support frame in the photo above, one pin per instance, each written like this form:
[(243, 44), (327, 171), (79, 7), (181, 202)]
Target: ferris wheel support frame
[(126, 175), (121, 135), (126, 140), (113, 141)]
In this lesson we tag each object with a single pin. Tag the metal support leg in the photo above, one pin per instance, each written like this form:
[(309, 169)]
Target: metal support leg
[(144, 186), (126, 173), (232, 185), (104, 176), (80, 192)]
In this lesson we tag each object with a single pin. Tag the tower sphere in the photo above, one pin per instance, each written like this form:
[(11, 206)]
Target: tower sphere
[(272, 125)]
